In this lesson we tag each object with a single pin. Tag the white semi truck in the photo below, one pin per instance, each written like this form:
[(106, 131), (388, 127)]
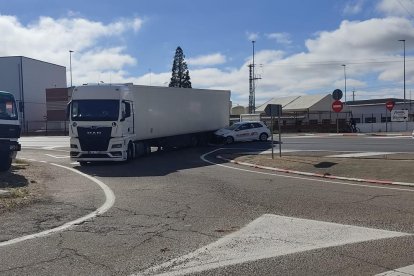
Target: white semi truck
[(123, 121), (9, 130)]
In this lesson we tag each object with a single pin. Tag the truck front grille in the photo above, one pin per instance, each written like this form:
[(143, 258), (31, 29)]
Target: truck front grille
[(94, 138)]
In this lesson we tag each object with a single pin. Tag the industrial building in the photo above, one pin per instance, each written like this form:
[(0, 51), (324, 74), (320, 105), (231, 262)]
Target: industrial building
[(314, 113), (27, 79)]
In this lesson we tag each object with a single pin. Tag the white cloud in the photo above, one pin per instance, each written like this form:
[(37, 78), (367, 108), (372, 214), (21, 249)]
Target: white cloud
[(207, 60), (354, 7), (396, 7), (51, 39), (282, 38), (252, 36)]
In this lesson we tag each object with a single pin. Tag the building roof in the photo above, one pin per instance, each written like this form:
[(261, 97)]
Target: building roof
[(295, 103), (376, 101)]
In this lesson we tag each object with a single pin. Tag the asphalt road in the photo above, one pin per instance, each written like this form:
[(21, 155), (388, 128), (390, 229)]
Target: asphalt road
[(187, 212)]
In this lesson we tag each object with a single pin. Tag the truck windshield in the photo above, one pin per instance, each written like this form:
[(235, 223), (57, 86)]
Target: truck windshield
[(8, 110), (95, 110)]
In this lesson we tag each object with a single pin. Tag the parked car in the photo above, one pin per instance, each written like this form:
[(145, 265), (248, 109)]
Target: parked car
[(243, 131)]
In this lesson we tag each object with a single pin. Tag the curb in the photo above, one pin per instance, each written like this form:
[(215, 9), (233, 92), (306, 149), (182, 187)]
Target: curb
[(327, 176)]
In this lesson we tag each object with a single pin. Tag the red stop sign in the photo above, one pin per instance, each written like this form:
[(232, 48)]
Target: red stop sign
[(390, 105), (337, 106)]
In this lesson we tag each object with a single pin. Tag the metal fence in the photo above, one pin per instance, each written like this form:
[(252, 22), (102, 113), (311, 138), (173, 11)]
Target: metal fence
[(45, 128)]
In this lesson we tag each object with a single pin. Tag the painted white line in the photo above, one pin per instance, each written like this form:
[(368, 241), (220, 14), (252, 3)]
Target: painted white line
[(109, 202), (203, 157), (403, 271), (57, 156), (269, 236), (360, 154)]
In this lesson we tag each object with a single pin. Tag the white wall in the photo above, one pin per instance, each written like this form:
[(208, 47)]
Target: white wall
[(389, 127), (27, 79), (37, 76)]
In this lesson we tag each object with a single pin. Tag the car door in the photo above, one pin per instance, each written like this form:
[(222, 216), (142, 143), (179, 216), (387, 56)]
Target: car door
[(242, 133), (255, 131)]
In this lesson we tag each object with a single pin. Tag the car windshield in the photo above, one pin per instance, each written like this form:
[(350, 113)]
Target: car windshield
[(95, 110), (233, 126), (8, 110)]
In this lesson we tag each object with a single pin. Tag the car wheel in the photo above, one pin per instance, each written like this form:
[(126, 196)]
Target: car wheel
[(263, 137), (229, 140)]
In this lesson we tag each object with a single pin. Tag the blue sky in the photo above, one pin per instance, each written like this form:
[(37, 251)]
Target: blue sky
[(300, 45)]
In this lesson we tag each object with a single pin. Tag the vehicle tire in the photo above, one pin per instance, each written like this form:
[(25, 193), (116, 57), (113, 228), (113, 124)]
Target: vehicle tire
[(263, 137), (5, 163), (130, 152), (229, 140), (193, 141)]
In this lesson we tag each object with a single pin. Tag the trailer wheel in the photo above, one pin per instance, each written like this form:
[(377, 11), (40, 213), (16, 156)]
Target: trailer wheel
[(229, 140), (263, 137), (5, 163)]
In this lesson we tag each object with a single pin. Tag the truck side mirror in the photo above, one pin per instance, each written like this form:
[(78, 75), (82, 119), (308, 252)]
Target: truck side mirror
[(21, 106)]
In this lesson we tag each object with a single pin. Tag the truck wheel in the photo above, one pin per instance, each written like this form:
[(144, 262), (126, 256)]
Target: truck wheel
[(5, 163), (263, 137), (130, 152), (229, 140), (193, 141)]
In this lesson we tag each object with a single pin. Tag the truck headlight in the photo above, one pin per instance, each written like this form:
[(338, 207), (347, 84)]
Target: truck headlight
[(73, 146), (117, 146)]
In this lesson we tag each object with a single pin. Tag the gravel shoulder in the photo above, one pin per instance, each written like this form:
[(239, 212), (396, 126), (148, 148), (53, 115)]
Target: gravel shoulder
[(21, 186), (392, 167)]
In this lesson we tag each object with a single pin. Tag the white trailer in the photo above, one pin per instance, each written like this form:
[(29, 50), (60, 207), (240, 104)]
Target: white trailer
[(120, 122), (9, 130)]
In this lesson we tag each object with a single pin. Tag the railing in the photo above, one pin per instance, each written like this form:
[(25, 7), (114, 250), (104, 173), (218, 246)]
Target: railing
[(45, 128)]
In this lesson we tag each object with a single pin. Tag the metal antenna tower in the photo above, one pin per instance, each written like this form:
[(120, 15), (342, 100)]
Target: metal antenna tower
[(252, 86)]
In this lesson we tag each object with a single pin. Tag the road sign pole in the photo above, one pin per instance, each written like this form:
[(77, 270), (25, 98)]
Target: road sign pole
[(272, 118), (386, 119), (280, 135), (337, 123)]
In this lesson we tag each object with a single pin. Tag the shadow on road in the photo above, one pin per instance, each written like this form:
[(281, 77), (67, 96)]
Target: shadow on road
[(162, 163), (13, 178)]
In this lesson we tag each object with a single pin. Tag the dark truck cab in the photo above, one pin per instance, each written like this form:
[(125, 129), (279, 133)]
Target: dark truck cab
[(9, 130)]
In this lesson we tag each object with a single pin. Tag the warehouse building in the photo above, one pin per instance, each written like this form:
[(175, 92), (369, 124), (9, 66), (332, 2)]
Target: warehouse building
[(27, 79)]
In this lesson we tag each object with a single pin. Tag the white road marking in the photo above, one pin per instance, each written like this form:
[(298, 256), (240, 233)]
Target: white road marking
[(360, 154), (269, 236), (403, 271), (57, 156), (109, 202), (203, 157)]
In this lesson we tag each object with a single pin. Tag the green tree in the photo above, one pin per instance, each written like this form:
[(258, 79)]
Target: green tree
[(180, 75)]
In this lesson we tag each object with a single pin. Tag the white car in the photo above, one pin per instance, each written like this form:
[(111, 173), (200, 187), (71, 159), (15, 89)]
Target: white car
[(243, 131)]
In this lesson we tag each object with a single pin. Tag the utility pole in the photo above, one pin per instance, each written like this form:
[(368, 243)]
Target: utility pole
[(70, 66), (252, 86), (403, 41), (353, 95)]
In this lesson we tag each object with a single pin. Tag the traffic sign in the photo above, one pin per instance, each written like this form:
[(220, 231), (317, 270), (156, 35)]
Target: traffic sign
[(390, 105), (337, 106), (337, 94), (399, 116), (273, 110)]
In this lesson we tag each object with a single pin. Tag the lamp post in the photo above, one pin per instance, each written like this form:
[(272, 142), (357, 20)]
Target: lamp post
[(403, 41), (70, 66), (344, 65)]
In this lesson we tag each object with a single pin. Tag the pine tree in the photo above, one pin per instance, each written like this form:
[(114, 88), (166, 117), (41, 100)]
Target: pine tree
[(180, 76)]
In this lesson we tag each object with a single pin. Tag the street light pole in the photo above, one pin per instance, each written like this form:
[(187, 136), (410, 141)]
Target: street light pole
[(344, 65), (403, 41), (70, 66)]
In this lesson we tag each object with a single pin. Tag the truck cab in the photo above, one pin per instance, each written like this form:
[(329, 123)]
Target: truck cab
[(100, 123), (9, 130)]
